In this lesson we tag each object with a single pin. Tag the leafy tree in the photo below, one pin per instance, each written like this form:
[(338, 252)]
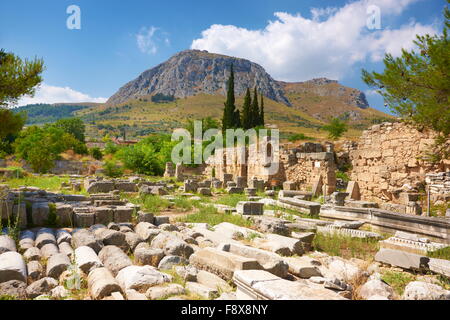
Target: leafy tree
[(416, 86), (207, 123), (10, 126), (112, 169), (230, 116), (96, 153), (40, 147), (261, 113), (149, 156), (74, 126), (246, 111), (336, 128), (254, 110), (18, 77)]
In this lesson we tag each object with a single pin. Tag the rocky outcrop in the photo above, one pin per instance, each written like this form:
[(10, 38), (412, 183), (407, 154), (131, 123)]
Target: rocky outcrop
[(192, 72)]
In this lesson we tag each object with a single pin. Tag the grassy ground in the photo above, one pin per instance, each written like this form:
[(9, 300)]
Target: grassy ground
[(210, 215), (52, 183), (443, 253), (346, 247), (397, 280)]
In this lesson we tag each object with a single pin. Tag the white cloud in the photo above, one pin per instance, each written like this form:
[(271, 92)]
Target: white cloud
[(149, 38), (51, 94), (295, 48)]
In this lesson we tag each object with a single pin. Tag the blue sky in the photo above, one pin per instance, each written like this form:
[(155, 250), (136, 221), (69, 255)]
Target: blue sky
[(293, 40)]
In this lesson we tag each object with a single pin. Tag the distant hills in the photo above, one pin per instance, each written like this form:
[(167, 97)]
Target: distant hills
[(192, 85), (46, 113)]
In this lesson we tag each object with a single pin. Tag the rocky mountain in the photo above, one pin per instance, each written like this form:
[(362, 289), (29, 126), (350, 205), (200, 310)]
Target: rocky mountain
[(324, 87), (192, 72)]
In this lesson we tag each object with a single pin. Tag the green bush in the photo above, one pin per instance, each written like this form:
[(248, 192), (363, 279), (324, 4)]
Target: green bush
[(298, 136), (112, 169), (96, 153), (149, 156)]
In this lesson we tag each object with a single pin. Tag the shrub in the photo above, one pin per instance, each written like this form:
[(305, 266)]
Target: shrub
[(298, 136), (96, 153), (112, 169)]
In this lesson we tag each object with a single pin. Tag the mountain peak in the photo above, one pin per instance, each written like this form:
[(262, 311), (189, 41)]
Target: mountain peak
[(192, 72)]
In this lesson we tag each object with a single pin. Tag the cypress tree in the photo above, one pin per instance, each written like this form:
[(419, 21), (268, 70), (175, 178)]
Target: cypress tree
[(228, 119), (254, 110), (246, 111), (261, 114)]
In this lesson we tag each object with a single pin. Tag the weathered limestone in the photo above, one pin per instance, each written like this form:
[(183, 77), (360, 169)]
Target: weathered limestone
[(170, 170), (7, 244), (440, 266), (411, 243), (40, 212), (146, 231), (44, 236), (49, 250), (99, 186), (140, 278), (376, 287), (32, 254), (86, 259), (66, 248), (270, 262), (250, 208), (64, 214), (282, 245), (188, 273), (202, 290), (261, 285), (14, 288), (102, 283), (83, 217), (271, 225), (303, 267), (123, 214), (111, 237), (353, 190), (132, 240), (145, 217), (114, 259), (317, 186), (234, 190), (103, 215), (168, 262), (162, 292), (63, 235), (311, 208), (418, 290), (35, 270), (148, 256), (338, 198), (40, 287), (134, 295), (402, 259), (57, 264), (222, 263), (289, 185), (12, 267), (26, 239), (83, 237), (335, 229), (342, 269)]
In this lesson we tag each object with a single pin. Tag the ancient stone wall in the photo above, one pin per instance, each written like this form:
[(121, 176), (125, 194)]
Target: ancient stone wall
[(310, 163), (303, 165), (391, 159)]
